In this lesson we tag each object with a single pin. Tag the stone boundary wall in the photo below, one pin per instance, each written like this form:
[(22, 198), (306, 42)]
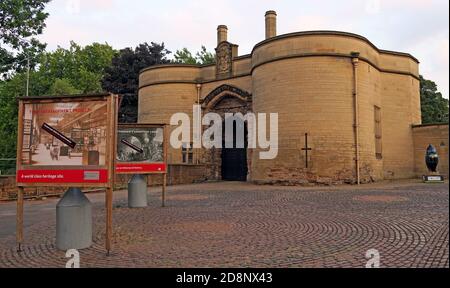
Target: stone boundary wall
[(424, 135), (177, 174)]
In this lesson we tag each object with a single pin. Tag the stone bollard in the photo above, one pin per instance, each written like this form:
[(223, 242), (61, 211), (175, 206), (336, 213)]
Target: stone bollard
[(73, 221), (137, 191)]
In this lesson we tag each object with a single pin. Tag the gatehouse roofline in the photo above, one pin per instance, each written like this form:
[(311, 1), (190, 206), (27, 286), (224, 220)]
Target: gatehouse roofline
[(333, 33), (291, 35)]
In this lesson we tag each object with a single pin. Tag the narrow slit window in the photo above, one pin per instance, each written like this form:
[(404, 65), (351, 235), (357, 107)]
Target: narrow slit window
[(377, 121)]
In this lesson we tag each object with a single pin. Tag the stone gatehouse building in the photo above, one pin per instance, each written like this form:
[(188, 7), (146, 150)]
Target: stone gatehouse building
[(347, 109)]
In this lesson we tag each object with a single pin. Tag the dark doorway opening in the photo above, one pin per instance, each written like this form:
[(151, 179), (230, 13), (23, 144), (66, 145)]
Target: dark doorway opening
[(234, 160)]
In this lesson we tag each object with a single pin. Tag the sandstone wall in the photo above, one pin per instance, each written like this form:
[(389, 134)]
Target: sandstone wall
[(399, 113), (307, 77), (311, 95), (424, 135)]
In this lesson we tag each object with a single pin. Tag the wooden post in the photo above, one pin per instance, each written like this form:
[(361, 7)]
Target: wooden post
[(20, 192), (108, 235), (163, 196), (165, 147), (19, 219), (113, 108)]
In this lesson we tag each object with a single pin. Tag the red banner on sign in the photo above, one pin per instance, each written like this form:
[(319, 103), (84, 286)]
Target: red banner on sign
[(140, 168), (62, 176)]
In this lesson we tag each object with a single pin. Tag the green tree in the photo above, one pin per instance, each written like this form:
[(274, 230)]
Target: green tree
[(202, 57), (205, 57), (9, 90), (434, 107), (62, 87), (64, 71), (81, 67), (184, 56), (19, 21), (122, 77)]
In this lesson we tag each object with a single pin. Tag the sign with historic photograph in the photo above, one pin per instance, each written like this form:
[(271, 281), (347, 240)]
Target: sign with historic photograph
[(65, 140), (140, 149)]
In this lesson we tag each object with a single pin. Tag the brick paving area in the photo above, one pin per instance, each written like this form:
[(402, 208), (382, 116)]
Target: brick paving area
[(244, 225)]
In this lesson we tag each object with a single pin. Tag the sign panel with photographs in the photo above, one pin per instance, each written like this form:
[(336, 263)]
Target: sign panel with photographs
[(66, 140), (140, 149)]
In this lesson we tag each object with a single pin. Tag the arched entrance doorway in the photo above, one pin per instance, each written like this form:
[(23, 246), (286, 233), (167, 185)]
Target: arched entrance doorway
[(232, 161)]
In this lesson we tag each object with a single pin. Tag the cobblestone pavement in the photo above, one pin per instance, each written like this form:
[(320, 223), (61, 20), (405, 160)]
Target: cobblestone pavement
[(244, 225)]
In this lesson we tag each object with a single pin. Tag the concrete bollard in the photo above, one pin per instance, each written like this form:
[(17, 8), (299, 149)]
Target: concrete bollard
[(73, 221), (137, 191)]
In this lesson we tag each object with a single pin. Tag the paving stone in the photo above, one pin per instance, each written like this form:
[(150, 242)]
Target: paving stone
[(246, 225)]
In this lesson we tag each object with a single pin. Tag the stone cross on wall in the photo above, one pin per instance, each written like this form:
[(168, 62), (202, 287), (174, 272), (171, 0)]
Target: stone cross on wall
[(306, 149)]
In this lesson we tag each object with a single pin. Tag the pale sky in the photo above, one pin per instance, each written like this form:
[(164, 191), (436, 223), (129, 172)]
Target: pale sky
[(418, 27)]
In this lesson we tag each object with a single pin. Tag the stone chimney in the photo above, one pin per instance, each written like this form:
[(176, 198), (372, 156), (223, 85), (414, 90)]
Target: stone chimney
[(222, 31), (271, 24)]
